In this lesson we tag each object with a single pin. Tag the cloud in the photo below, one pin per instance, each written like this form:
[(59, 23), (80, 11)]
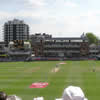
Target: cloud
[(58, 17), (71, 4), (37, 2), (57, 25), (66, 3)]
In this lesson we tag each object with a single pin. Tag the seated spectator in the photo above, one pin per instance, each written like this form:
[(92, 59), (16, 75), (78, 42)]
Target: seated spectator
[(3, 96), (73, 93), (38, 98), (13, 97)]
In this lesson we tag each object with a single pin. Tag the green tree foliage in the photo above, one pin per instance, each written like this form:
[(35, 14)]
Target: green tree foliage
[(92, 38)]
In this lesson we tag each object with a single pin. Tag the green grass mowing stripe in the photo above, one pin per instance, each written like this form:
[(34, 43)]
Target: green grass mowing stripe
[(74, 74), (91, 81)]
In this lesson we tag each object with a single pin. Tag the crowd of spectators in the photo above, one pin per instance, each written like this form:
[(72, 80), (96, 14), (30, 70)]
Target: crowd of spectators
[(70, 93), (3, 96)]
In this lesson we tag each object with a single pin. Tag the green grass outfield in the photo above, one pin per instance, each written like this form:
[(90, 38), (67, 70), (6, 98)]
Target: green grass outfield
[(16, 77)]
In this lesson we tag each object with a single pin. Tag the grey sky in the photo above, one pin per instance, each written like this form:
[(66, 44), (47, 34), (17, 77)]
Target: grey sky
[(56, 17)]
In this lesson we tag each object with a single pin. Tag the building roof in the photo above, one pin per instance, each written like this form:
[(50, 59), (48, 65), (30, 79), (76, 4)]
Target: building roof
[(67, 38)]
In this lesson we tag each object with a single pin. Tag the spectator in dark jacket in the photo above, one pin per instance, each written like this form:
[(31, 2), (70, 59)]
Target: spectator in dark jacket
[(3, 96)]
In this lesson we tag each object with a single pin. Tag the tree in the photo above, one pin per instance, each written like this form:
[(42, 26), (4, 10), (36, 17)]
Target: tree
[(92, 38)]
